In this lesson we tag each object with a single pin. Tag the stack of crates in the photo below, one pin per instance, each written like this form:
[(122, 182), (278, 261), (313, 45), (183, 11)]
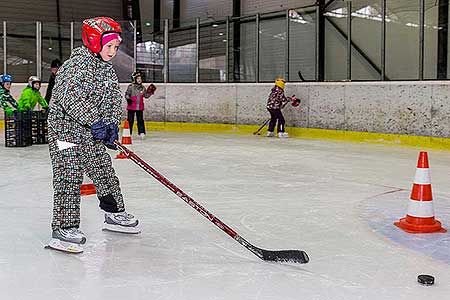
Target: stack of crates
[(39, 129), (18, 129)]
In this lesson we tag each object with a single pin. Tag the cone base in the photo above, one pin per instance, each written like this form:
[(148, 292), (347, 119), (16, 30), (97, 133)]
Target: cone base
[(87, 189), (414, 228), (121, 156)]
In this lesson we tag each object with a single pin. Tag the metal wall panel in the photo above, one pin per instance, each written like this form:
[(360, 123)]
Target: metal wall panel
[(249, 7), (46, 10)]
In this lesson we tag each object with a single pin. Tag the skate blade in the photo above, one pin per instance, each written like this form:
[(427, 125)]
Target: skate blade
[(121, 229), (66, 247)]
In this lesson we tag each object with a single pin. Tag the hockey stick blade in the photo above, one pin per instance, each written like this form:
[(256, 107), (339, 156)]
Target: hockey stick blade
[(300, 75), (295, 256)]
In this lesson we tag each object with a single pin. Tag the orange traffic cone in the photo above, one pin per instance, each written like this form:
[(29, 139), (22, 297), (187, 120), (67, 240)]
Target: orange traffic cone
[(126, 139), (420, 216), (87, 188)]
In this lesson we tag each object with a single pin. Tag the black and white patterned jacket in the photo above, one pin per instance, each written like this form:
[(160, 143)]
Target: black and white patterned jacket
[(86, 90)]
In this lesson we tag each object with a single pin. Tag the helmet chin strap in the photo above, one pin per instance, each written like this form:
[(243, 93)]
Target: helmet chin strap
[(97, 55)]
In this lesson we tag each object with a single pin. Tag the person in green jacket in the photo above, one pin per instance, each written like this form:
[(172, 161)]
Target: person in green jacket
[(31, 95), (7, 102)]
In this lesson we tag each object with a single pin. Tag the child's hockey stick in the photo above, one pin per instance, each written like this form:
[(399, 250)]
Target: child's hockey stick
[(262, 126)]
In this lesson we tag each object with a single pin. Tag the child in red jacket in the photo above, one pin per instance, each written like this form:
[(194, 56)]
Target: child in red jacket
[(135, 95)]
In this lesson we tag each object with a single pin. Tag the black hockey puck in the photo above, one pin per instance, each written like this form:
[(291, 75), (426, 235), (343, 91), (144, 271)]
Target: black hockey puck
[(425, 279)]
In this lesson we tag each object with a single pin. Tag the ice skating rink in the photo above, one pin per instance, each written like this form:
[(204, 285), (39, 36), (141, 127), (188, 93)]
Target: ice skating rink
[(335, 200)]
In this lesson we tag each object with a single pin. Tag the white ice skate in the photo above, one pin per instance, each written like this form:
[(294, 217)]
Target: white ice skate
[(270, 134), (283, 135), (121, 222), (67, 240), (142, 136)]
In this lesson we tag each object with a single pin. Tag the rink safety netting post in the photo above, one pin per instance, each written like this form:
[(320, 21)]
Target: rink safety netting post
[(25, 128)]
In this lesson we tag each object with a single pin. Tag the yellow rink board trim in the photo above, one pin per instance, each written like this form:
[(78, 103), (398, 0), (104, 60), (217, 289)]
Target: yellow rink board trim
[(304, 133), (309, 133)]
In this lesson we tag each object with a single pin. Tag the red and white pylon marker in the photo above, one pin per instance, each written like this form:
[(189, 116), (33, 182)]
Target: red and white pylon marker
[(420, 216)]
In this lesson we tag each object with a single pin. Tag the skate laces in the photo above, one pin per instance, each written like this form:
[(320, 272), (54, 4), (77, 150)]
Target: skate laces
[(123, 216), (73, 231)]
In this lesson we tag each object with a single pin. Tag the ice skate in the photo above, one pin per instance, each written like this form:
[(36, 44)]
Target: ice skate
[(67, 240), (142, 136), (283, 135), (121, 222), (270, 134)]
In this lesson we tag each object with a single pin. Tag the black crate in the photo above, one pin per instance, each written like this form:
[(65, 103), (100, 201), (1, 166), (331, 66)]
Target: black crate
[(39, 129), (18, 129)]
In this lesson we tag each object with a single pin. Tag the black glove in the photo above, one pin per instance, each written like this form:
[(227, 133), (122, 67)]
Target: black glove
[(98, 130), (44, 112), (112, 135), (129, 101)]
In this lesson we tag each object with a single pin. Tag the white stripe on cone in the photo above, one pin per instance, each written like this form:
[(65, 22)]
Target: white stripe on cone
[(422, 176), (86, 180), (420, 209), (126, 132)]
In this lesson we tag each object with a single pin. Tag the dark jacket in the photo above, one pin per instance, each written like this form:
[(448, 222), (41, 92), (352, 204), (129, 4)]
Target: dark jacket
[(51, 84)]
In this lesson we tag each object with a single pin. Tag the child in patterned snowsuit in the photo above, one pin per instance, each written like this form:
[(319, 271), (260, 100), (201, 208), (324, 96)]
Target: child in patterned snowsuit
[(135, 94), (83, 118)]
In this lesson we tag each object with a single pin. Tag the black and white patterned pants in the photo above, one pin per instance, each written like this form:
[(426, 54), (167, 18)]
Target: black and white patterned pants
[(87, 157)]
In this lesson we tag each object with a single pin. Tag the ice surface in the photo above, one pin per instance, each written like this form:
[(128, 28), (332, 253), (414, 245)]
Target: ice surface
[(335, 200)]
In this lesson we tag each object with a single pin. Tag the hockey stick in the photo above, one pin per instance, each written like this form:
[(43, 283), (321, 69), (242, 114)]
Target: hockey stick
[(295, 256), (300, 75), (262, 126)]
